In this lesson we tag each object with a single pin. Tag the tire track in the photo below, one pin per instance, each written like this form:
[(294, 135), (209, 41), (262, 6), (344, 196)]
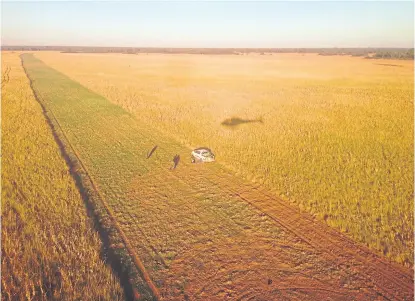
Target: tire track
[(286, 219), (336, 244), (379, 270)]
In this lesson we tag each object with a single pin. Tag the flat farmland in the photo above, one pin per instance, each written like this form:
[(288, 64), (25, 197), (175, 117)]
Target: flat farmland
[(219, 231), (49, 247), (334, 135)]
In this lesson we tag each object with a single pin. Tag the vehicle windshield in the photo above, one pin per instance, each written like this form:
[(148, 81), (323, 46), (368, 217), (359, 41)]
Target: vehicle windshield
[(206, 154)]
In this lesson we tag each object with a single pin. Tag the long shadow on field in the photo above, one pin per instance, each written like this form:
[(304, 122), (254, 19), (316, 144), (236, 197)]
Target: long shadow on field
[(109, 253), (152, 151), (235, 121)]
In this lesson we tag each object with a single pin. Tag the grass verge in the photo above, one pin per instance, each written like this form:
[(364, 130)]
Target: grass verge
[(50, 250), (132, 274)]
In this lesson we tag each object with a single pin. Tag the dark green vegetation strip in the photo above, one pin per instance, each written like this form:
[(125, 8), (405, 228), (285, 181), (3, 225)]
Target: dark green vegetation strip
[(61, 98)]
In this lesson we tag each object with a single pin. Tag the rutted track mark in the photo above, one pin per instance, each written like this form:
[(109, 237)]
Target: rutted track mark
[(339, 248), (174, 179)]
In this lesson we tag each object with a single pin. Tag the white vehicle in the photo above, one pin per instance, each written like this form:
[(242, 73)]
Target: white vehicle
[(202, 154)]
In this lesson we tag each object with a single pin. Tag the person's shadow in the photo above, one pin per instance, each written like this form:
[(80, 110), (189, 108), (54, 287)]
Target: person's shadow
[(151, 152), (176, 160)]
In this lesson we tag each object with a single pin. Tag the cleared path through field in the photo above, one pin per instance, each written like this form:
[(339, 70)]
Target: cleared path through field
[(201, 232)]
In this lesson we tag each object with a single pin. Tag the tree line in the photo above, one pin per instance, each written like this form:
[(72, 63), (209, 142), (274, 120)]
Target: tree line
[(371, 53)]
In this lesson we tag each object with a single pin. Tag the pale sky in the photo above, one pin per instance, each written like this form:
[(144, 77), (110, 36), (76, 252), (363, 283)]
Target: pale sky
[(209, 24)]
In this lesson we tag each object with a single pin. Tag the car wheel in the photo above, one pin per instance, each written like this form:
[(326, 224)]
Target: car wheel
[(193, 160)]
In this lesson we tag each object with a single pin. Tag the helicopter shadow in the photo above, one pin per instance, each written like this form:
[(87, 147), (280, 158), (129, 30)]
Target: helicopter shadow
[(236, 121)]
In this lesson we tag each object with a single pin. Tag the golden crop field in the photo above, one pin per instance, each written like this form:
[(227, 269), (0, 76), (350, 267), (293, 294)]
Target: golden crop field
[(334, 135), (200, 231), (50, 250)]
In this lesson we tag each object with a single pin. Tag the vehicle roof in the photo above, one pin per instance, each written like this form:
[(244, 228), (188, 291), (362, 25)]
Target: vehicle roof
[(203, 148)]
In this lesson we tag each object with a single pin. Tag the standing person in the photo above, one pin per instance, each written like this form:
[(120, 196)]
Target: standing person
[(176, 160)]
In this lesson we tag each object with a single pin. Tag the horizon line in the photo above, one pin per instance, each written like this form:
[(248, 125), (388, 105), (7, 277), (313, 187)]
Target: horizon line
[(176, 47)]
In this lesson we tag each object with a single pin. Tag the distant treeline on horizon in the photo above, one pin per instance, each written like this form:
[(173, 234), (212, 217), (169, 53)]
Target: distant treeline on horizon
[(372, 53)]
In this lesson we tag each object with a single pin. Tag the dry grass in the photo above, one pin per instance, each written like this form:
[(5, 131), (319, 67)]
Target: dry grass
[(337, 136), (201, 232), (49, 248)]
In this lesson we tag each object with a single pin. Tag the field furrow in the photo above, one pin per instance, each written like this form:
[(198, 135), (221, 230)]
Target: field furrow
[(201, 232)]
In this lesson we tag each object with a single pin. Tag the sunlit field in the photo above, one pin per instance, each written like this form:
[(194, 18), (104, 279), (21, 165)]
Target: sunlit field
[(199, 231), (50, 250), (334, 134)]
